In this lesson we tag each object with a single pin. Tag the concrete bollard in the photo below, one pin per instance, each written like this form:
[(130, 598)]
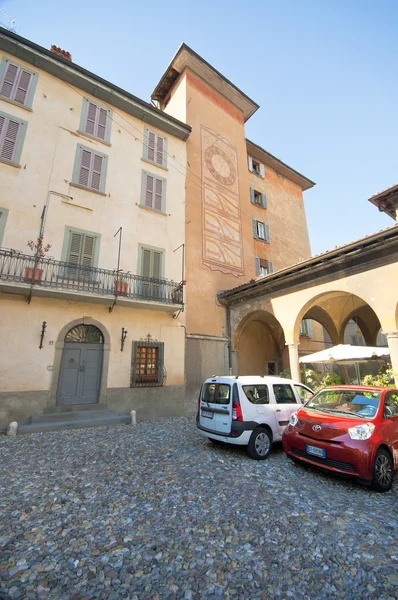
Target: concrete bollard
[(133, 416), (12, 429)]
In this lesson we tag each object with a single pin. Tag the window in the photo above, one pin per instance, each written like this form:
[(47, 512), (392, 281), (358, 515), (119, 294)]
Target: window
[(272, 368), (80, 250), (391, 405), (151, 268), (153, 194), (3, 219), (303, 392), (155, 148), (90, 169), (306, 328), (284, 394), (147, 364), (263, 267), (260, 230), (256, 167), (256, 394), (258, 198), (16, 83), (216, 393), (12, 134), (96, 120)]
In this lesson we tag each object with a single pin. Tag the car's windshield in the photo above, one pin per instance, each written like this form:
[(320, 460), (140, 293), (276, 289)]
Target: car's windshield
[(356, 403)]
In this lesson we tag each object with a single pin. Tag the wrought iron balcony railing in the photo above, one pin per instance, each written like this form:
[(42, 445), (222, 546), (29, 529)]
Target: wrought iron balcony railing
[(49, 273)]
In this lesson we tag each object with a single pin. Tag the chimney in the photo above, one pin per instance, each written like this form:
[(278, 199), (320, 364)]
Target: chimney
[(66, 55)]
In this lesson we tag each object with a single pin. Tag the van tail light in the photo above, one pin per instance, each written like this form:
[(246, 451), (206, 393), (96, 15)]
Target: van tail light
[(236, 411)]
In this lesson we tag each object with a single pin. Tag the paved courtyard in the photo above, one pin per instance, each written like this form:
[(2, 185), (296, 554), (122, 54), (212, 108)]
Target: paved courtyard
[(155, 511)]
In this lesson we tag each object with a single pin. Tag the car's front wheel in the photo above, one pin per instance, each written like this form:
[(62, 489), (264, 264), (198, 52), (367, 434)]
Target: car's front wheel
[(383, 471), (259, 445)]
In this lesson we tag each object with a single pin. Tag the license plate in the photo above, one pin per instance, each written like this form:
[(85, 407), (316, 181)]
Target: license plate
[(316, 451), (207, 413)]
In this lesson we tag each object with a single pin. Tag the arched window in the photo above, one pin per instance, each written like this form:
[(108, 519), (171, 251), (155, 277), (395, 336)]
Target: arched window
[(84, 334)]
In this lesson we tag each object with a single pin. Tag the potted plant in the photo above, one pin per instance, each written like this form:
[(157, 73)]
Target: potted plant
[(40, 249), (121, 285)]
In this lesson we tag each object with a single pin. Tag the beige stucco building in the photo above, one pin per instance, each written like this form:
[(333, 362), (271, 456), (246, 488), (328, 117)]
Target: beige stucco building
[(88, 168)]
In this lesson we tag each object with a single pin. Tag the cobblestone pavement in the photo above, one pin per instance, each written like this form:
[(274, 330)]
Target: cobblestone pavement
[(155, 511)]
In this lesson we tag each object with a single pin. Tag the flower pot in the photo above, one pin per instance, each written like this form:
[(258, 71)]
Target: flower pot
[(34, 274), (121, 288)]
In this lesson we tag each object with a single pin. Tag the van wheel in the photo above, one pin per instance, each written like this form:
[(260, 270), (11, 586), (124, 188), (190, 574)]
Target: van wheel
[(259, 445), (383, 472)]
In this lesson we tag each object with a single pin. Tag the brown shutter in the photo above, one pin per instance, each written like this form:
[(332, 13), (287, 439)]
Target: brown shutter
[(8, 81), (159, 150), (84, 170), (8, 137), (149, 191), (151, 146), (91, 116), (23, 86), (158, 194), (96, 172), (102, 119)]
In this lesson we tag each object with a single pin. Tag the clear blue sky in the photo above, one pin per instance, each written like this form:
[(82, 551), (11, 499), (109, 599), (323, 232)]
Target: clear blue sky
[(324, 73)]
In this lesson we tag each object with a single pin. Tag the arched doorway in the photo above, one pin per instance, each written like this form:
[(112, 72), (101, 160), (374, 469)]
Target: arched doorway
[(260, 343), (81, 366)]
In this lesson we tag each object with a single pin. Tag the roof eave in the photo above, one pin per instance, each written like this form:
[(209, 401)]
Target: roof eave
[(163, 87), (90, 83), (281, 167)]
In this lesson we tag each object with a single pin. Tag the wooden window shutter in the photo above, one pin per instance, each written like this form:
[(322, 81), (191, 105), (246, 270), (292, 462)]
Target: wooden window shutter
[(22, 88), (150, 180), (151, 141), (266, 228), (159, 150), (157, 265), (102, 123), (270, 267), (91, 118), (264, 200), (9, 80), (9, 130), (158, 194), (252, 196), (88, 247), (96, 171), (146, 263), (75, 241), (262, 170), (84, 170), (250, 160), (258, 271), (254, 225)]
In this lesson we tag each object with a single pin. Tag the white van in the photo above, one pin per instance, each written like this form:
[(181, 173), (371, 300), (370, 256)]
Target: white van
[(249, 410)]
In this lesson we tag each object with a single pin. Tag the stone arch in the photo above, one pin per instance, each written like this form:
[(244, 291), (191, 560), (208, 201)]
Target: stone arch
[(333, 309), (259, 341), (59, 346)]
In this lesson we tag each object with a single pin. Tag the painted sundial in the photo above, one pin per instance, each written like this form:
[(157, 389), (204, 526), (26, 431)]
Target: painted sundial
[(220, 165)]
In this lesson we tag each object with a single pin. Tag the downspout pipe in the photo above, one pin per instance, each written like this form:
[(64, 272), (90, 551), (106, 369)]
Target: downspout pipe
[(223, 302)]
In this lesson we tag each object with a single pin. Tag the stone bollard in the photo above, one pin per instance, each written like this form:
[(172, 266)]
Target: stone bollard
[(12, 429), (133, 416)]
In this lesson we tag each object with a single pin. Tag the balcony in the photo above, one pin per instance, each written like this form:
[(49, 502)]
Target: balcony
[(23, 274)]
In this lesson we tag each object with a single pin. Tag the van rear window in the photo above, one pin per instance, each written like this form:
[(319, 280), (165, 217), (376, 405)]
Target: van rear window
[(216, 393)]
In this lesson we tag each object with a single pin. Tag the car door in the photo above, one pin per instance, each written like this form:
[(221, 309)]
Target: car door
[(287, 403), (216, 407), (303, 393), (257, 406), (390, 425)]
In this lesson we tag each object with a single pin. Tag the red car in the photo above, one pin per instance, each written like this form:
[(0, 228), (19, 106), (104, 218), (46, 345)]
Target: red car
[(348, 429)]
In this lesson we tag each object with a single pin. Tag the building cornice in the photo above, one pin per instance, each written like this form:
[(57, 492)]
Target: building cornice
[(90, 83)]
